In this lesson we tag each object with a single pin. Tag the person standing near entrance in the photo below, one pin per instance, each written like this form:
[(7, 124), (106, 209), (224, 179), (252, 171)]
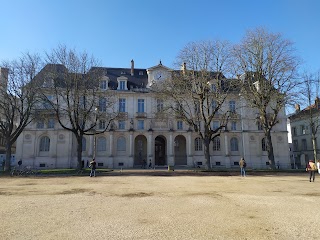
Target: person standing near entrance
[(242, 164), (150, 164), (93, 165), (311, 168)]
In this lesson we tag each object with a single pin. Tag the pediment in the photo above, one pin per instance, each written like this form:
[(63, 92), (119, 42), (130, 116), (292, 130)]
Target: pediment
[(159, 67)]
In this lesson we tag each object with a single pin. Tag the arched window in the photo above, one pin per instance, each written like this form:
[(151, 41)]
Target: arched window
[(101, 144), (216, 144), (198, 144), (234, 144), (121, 144), (44, 144), (263, 144), (84, 144)]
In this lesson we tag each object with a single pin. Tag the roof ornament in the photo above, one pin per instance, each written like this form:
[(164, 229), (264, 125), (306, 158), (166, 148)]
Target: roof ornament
[(160, 62)]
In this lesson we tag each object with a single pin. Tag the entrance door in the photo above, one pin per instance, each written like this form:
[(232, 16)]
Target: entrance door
[(140, 150), (160, 151), (180, 150)]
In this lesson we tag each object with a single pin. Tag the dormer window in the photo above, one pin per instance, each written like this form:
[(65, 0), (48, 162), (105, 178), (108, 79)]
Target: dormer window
[(123, 72), (122, 83), (141, 73), (103, 84), (47, 83)]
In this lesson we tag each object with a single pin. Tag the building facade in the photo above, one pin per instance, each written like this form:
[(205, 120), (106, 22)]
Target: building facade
[(301, 134), (144, 133)]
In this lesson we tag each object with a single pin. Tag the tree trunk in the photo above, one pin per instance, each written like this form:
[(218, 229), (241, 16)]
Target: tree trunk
[(207, 153), (79, 152), (7, 165), (314, 147), (270, 150)]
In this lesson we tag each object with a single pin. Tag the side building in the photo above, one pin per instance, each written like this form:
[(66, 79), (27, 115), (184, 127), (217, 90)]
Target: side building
[(144, 132), (301, 132)]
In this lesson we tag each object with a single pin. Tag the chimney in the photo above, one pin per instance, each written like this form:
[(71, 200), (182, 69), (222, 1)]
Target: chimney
[(132, 67), (297, 107), (184, 68), (4, 78)]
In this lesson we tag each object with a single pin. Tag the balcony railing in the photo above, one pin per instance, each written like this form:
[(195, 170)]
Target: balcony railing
[(122, 115), (141, 114)]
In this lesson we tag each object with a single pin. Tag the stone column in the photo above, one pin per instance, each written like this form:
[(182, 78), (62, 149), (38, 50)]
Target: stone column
[(189, 150), (170, 151), (227, 158), (150, 148), (226, 145), (111, 144), (131, 144)]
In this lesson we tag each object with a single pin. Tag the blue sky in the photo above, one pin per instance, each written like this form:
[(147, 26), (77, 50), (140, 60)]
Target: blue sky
[(116, 31)]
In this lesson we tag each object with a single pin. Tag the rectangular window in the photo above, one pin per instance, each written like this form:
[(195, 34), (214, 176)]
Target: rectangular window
[(295, 145), (304, 144), (215, 125), (140, 124), (47, 102), (50, 123), (303, 129), (159, 105), (232, 106), (260, 128), (102, 124), (103, 84), (82, 101), (102, 104), (122, 105), (40, 124), (294, 131), (140, 105), (122, 85), (233, 126), (198, 144), (179, 125), (122, 125), (213, 88), (197, 108), (213, 105)]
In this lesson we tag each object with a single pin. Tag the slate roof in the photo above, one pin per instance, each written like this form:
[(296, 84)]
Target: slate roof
[(138, 80)]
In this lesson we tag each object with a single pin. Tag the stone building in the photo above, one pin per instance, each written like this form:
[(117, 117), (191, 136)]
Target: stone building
[(143, 133), (301, 133)]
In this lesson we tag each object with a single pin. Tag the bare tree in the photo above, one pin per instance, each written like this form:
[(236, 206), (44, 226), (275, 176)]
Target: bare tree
[(17, 98), (311, 113), (197, 93), (269, 64), (71, 90)]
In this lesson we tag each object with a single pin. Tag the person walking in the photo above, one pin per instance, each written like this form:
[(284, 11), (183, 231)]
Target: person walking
[(318, 166), (242, 164), (311, 168), (93, 165), (150, 164)]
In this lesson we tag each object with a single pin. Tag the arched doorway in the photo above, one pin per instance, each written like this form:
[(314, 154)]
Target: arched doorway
[(180, 150), (160, 151), (140, 149)]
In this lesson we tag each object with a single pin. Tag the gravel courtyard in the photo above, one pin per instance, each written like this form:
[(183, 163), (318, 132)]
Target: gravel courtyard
[(176, 206)]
